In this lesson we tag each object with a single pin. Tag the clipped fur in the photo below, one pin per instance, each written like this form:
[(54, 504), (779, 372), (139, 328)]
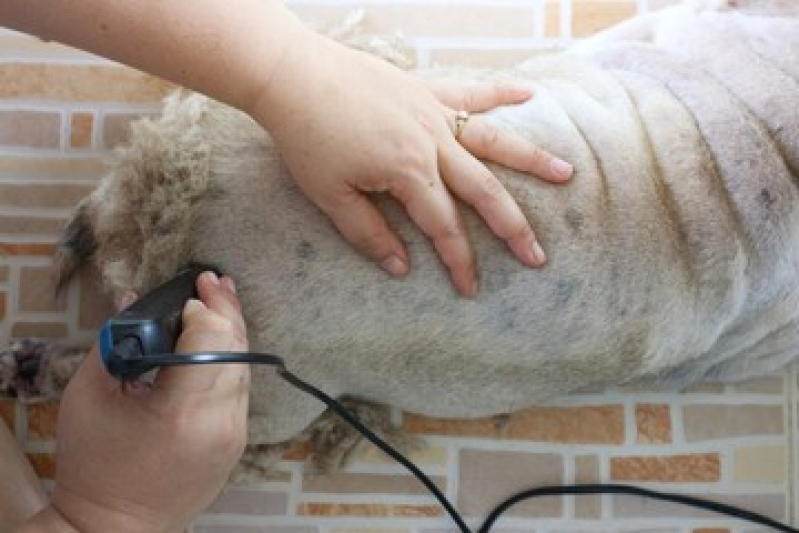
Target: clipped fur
[(673, 254)]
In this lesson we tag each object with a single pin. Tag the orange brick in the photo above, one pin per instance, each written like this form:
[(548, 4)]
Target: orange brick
[(696, 468), (79, 83), (37, 291), (43, 464), (343, 509), (592, 16), (653, 424), (81, 129), (602, 424), (42, 420), (35, 249), (552, 24), (7, 411), (595, 424)]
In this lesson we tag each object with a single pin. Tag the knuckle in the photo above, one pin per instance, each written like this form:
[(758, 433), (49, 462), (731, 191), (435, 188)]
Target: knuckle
[(491, 189), (489, 137)]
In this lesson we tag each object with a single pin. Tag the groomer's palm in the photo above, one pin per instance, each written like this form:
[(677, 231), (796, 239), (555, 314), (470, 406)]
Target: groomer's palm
[(139, 458), (366, 126)]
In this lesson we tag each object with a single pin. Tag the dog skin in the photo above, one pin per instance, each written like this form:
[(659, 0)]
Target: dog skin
[(673, 254)]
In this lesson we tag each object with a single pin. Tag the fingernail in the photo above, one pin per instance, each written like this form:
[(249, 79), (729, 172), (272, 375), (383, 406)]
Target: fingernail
[(538, 254), (229, 284), (561, 168), (211, 277), (521, 92), (192, 306), (394, 265)]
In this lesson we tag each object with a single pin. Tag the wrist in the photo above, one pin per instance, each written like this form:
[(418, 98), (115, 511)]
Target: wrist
[(70, 513), (48, 520)]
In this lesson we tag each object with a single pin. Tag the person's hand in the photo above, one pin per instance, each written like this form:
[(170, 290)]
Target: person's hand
[(150, 458), (347, 124)]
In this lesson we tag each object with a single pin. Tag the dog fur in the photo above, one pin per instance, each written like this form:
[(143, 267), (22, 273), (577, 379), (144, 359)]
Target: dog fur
[(673, 254)]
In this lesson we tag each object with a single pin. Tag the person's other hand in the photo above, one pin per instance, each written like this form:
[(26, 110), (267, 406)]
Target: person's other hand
[(150, 458), (347, 124)]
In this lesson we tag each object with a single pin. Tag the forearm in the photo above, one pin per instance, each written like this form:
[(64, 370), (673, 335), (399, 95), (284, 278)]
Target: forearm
[(225, 49), (21, 493)]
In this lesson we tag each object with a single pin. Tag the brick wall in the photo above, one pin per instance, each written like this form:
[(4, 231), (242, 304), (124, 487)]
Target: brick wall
[(61, 111)]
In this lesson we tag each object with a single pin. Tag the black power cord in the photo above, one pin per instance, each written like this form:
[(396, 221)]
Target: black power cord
[(152, 361)]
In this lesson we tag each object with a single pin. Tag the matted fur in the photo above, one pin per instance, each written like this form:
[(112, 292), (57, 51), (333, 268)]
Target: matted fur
[(672, 254)]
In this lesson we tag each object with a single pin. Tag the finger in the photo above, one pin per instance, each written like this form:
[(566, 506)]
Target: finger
[(473, 183), (479, 96), (486, 141), (212, 325), (431, 207), (363, 226), (219, 295)]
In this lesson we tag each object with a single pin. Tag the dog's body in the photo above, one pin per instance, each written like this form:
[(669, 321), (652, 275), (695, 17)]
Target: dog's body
[(673, 254)]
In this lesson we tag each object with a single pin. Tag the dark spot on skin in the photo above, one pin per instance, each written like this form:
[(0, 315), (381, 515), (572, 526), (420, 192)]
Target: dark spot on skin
[(767, 199), (305, 250), (564, 290), (574, 219)]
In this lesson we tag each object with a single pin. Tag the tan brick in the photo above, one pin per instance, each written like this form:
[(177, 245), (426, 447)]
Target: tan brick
[(54, 167), (79, 83), (42, 195), (29, 249), (81, 128), (419, 19), (600, 424), (43, 464), (42, 420), (3, 274), (488, 477), (34, 46), (586, 470), (477, 57), (7, 412), (591, 16), (352, 483), (116, 128), (28, 225), (44, 330), (95, 306), (37, 291), (34, 129), (689, 468), (241, 501), (711, 530), (653, 424), (760, 464), (718, 421), (768, 385)]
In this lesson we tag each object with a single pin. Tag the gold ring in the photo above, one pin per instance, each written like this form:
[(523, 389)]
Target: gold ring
[(461, 118)]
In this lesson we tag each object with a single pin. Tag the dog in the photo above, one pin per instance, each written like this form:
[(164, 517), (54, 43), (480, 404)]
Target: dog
[(673, 254)]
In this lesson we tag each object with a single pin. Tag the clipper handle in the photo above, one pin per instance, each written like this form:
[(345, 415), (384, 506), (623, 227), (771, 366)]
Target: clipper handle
[(149, 327)]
